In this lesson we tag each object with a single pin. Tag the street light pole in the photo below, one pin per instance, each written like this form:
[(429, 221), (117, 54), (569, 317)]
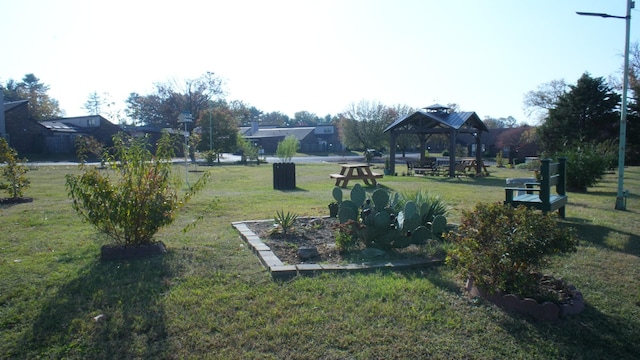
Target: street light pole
[(621, 203)]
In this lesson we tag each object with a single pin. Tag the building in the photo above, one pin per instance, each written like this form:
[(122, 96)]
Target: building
[(56, 136), (321, 138)]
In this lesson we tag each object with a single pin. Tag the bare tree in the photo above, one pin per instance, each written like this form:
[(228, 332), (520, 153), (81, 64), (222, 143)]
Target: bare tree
[(539, 102)]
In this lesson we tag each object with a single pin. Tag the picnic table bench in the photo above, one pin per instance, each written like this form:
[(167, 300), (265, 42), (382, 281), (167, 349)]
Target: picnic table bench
[(540, 195), (355, 172), (428, 166)]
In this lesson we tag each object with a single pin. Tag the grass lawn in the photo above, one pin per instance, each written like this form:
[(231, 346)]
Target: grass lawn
[(209, 297)]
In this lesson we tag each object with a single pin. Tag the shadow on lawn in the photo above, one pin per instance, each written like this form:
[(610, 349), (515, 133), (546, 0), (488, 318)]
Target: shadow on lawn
[(127, 294), (479, 181), (598, 235), (589, 335)]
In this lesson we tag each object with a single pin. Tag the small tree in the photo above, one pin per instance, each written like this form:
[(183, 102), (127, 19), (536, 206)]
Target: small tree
[(13, 172), (287, 148), (142, 198)]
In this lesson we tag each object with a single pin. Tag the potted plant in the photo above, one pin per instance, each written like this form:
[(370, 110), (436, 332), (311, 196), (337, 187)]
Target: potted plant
[(501, 250), (334, 206), (136, 202), (284, 172)]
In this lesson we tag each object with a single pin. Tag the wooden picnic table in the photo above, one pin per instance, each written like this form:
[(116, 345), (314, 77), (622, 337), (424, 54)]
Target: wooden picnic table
[(471, 165), (355, 172)]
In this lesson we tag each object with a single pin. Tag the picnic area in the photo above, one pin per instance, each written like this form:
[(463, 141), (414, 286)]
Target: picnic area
[(210, 297)]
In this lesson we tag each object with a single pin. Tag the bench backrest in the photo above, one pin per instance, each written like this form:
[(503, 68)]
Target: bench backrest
[(553, 174)]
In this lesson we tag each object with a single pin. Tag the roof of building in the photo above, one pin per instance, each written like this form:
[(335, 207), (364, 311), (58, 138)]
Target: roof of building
[(8, 106), (54, 125), (299, 132), (438, 116)]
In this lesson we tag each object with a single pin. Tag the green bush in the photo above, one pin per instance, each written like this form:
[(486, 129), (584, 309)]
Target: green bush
[(501, 248), (287, 148), (347, 236), (587, 164), (142, 197), (13, 171)]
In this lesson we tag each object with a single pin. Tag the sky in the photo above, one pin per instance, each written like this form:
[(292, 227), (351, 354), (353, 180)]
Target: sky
[(315, 55)]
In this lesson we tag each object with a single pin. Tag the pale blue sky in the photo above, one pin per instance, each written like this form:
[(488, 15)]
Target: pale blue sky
[(319, 56)]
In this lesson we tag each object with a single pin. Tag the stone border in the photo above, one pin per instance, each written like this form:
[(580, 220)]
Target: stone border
[(279, 270), (546, 311)]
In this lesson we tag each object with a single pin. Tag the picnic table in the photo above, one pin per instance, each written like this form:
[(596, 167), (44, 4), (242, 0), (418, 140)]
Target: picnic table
[(471, 164), (355, 172)]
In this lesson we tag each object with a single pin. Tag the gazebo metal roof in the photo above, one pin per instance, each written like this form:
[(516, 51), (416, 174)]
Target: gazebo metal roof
[(422, 121)]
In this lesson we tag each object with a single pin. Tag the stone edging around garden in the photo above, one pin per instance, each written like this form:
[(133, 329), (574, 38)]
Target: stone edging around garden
[(279, 270), (546, 311)]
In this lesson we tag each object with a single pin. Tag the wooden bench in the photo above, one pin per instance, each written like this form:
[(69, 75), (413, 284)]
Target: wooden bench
[(422, 167), (540, 195), (357, 177)]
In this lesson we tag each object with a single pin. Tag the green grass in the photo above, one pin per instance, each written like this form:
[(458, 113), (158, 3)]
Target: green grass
[(209, 297)]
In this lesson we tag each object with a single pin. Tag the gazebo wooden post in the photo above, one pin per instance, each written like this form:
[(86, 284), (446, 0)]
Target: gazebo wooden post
[(423, 146), (452, 153), (478, 153), (392, 151)]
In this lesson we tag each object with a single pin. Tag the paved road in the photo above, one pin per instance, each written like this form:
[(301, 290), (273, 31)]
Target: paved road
[(230, 158)]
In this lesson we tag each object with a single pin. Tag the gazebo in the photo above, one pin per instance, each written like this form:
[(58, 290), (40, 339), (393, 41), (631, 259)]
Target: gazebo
[(438, 119)]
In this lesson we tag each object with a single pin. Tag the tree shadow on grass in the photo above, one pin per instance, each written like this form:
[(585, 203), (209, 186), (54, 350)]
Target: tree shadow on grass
[(588, 335), (125, 293), (477, 181), (598, 235)]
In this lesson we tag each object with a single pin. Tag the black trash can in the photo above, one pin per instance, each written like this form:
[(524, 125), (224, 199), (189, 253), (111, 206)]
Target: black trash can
[(284, 176)]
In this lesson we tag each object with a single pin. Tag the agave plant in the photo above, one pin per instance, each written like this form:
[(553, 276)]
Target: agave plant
[(285, 222)]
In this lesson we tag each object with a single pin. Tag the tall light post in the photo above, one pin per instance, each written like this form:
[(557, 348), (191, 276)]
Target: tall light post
[(185, 118), (621, 195)]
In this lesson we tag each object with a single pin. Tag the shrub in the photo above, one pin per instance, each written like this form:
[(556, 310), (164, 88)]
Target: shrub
[(287, 148), (499, 159), (347, 236), (13, 171), (142, 198), (210, 157), (587, 164), (500, 247)]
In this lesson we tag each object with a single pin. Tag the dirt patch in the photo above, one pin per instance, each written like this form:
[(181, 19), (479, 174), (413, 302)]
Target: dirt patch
[(320, 233)]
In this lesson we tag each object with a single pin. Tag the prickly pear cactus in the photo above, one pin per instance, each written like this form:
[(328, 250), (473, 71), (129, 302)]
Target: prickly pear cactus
[(420, 235), (380, 199), (358, 195), (348, 211), (337, 194), (438, 225), (380, 225)]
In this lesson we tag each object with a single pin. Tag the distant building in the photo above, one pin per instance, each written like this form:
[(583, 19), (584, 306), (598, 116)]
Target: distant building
[(321, 138), (55, 136)]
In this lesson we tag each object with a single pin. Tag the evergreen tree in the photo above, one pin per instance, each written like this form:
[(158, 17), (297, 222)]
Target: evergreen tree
[(587, 112)]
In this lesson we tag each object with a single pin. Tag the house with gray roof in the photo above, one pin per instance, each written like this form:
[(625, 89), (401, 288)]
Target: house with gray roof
[(321, 138)]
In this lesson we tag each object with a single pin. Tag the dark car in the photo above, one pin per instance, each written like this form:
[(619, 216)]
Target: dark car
[(374, 152)]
